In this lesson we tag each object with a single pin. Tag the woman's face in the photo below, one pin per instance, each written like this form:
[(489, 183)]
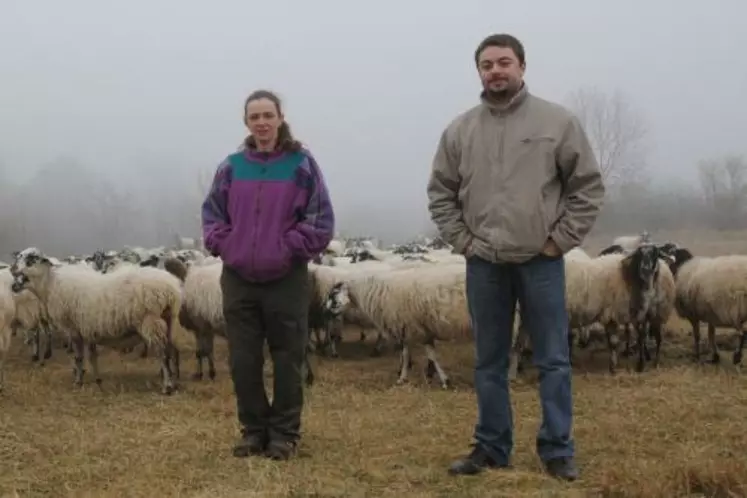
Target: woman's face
[(263, 120)]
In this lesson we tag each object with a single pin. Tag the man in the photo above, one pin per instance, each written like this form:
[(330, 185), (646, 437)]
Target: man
[(514, 186)]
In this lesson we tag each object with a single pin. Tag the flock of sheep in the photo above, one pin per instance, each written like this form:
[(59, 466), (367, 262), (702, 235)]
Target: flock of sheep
[(167, 301)]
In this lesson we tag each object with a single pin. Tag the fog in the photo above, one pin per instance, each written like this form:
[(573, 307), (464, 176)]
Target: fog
[(114, 116)]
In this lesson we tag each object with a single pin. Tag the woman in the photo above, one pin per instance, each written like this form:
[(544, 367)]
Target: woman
[(267, 214)]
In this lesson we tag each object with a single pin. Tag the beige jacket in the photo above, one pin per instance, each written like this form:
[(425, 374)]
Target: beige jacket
[(505, 179)]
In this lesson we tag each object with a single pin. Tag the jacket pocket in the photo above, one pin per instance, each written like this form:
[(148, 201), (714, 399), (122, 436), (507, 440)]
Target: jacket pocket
[(272, 259)]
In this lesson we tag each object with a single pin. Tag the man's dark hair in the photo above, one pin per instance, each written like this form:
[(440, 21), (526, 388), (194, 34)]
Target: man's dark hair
[(501, 40)]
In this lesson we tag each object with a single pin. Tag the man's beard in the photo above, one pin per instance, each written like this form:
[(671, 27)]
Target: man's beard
[(503, 95)]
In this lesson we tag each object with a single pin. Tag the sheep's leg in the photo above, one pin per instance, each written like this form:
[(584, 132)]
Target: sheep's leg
[(174, 356), (641, 338), (378, 348), (209, 348), (628, 349), (78, 371), (156, 330), (737, 360), (363, 334), (199, 355), (405, 363), (656, 332), (695, 324), (48, 345), (334, 336), (4, 347), (584, 336), (166, 374), (32, 337), (433, 366), (612, 343), (715, 355), (93, 360)]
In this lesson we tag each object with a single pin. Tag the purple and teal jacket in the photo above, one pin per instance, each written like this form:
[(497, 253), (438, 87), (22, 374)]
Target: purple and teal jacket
[(266, 211)]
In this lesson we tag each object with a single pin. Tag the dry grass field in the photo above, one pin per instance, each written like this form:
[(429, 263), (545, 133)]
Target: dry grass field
[(676, 431)]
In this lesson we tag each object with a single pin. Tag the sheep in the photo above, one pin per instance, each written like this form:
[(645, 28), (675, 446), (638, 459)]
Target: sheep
[(617, 290), (28, 319), (202, 308), (125, 307), (7, 315), (712, 290), (202, 311), (323, 279), (427, 302)]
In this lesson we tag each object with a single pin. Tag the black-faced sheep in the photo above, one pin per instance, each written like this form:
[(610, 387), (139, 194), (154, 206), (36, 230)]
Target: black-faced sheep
[(616, 290), (712, 290)]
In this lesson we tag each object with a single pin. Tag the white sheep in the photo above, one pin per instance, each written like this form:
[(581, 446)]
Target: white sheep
[(426, 302), (712, 290), (323, 280), (118, 310), (7, 314), (202, 308)]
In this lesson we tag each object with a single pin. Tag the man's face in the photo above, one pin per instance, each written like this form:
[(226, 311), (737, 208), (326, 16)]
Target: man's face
[(500, 71)]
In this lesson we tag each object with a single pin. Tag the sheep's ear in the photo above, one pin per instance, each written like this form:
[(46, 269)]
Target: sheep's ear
[(49, 262), (627, 261)]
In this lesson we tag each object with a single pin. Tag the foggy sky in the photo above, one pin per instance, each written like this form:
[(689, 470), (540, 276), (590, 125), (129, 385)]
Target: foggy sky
[(146, 90)]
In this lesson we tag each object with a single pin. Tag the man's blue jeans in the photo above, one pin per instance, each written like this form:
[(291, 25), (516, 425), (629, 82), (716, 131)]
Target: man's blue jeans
[(492, 293)]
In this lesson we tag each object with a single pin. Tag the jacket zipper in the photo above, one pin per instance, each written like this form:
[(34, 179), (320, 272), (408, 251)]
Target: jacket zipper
[(253, 257), (501, 162)]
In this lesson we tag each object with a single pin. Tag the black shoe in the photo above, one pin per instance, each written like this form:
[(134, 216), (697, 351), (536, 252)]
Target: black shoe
[(562, 468), (249, 444), (281, 450), (475, 462)]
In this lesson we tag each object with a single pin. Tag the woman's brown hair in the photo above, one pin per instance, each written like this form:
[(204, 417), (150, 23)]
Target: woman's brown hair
[(286, 142)]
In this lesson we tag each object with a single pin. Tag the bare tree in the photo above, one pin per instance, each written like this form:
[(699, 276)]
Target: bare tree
[(617, 132), (724, 184)]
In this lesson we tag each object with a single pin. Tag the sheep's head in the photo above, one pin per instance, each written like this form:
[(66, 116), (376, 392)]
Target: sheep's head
[(667, 252), (27, 265), (154, 260), (362, 254), (337, 300), (643, 264), (129, 255), (98, 260), (679, 257)]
